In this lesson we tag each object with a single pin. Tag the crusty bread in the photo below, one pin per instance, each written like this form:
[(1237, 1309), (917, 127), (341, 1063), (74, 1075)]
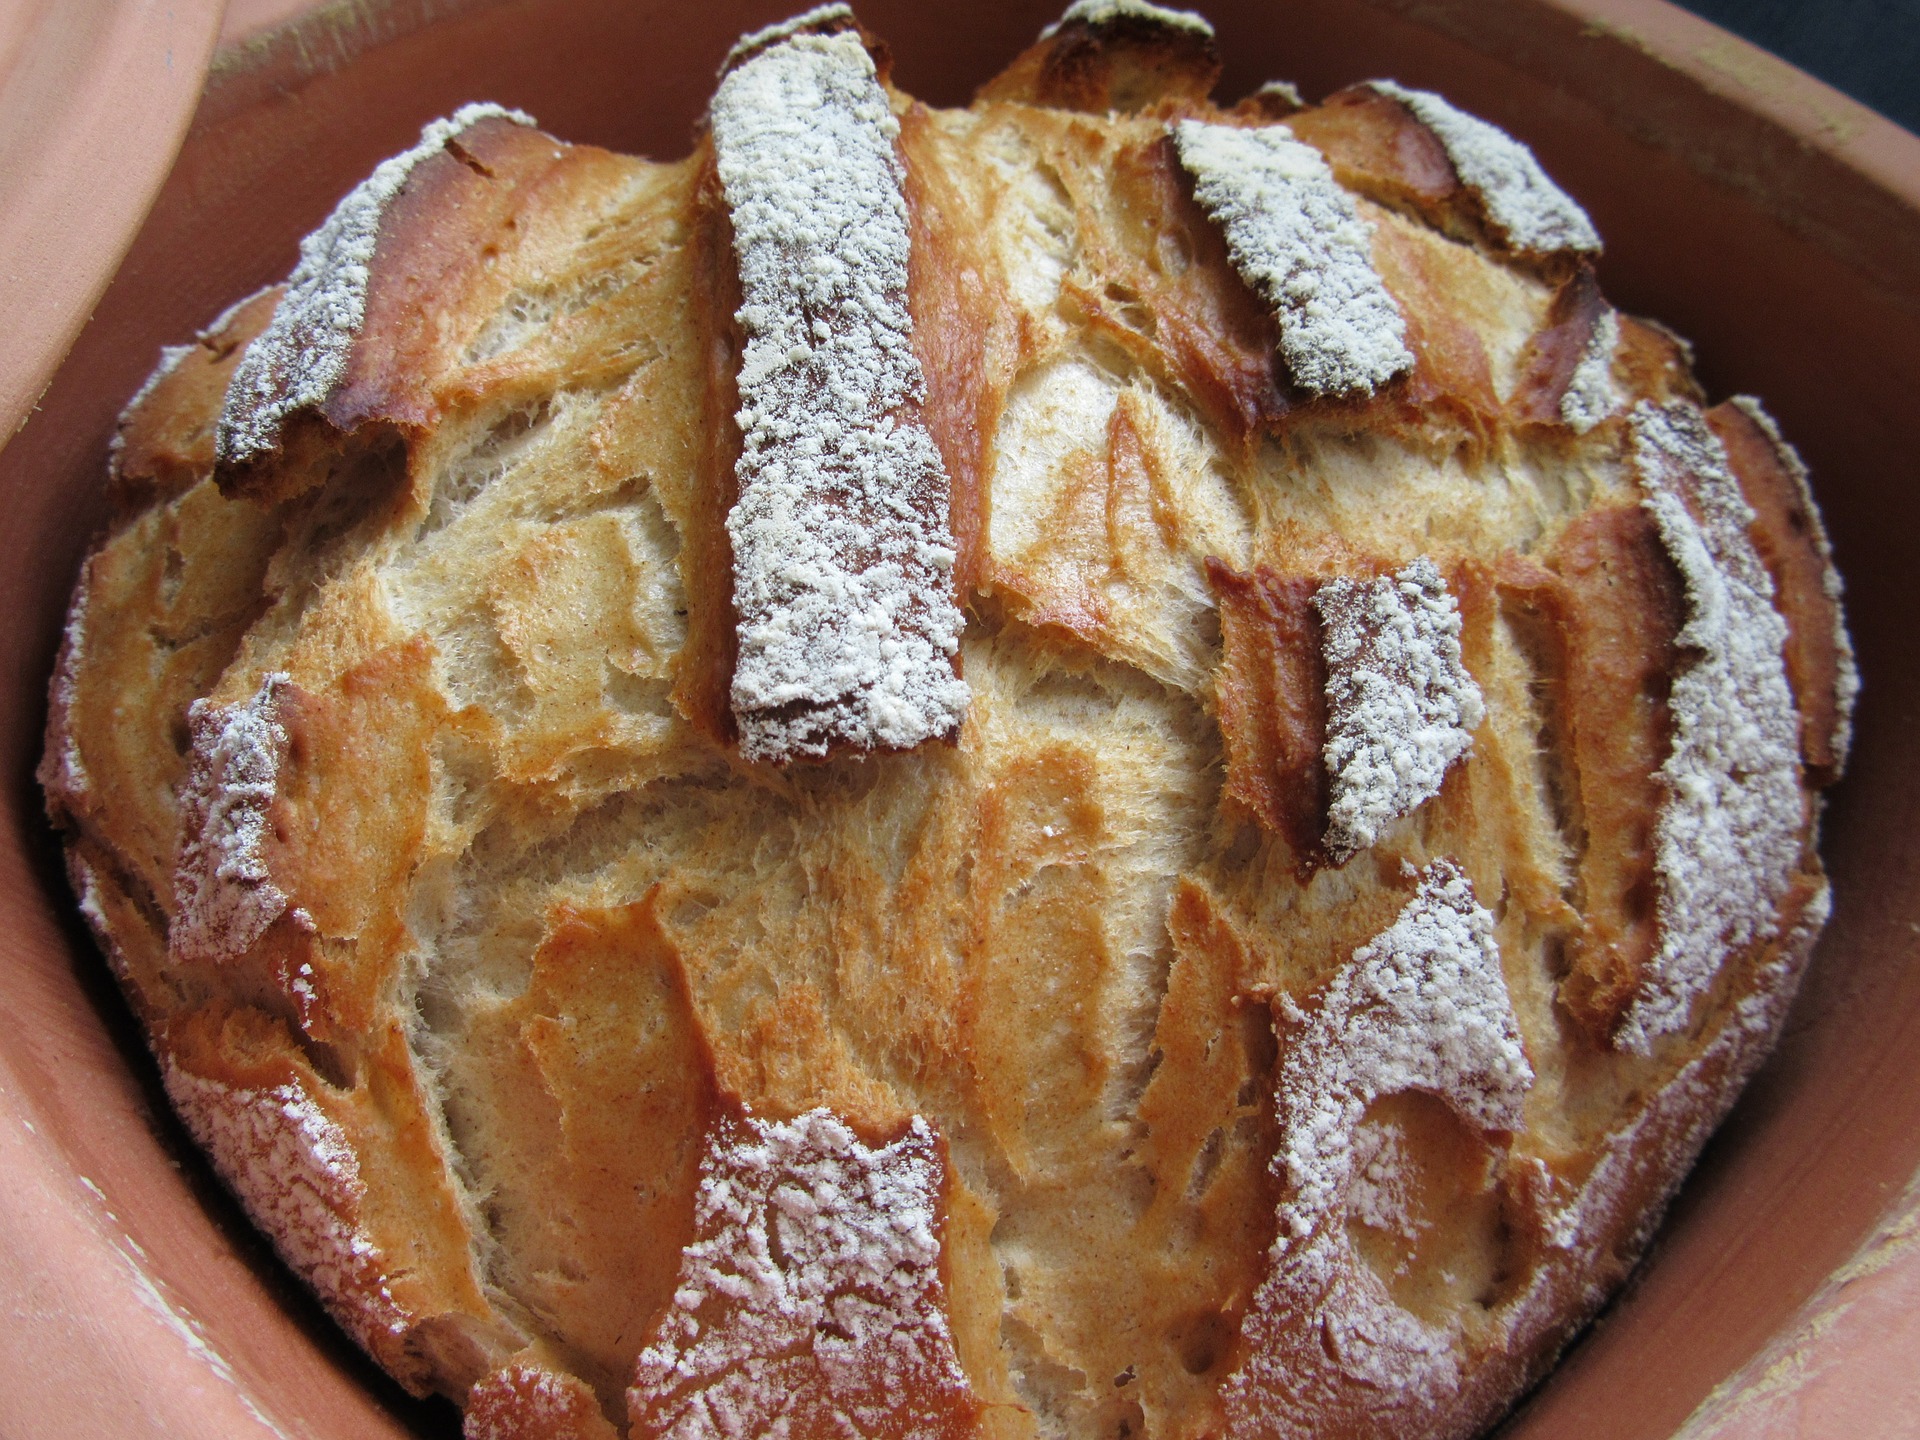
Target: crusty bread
[(1267, 981)]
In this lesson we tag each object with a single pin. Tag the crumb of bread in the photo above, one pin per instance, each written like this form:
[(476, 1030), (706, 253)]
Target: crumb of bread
[(811, 1288), (1296, 238), (1106, 12), (1727, 840), (224, 897), (300, 357), (1591, 394), (1401, 707), (1530, 210), (843, 555)]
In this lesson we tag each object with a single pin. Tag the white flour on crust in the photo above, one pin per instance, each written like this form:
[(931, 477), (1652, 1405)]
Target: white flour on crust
[(811, 1289), (295, 1171), (1530, 210), (1422, 1007), (1297, 240), (298, 360), (821, 17), (843, 553), (224, 897), (1401, 707), (1846, 682), (1727, 841), (1591, 394), (1106, 12)]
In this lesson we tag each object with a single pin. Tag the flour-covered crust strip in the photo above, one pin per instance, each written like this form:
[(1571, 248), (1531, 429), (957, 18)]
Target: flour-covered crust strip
[(1421, 1007), (1729, 835), (1401, 707), (1296, 238), (302, 356), (1792, 540), (1528, 210), (1114, 57), (820, 20), (810, 1301), (843, 551), (1112, 12), (224, 895)]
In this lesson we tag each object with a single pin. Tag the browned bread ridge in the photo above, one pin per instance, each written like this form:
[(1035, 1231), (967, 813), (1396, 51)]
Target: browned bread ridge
[(1372, 847)]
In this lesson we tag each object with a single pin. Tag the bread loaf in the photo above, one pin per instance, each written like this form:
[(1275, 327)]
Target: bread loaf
[(1094, 766)]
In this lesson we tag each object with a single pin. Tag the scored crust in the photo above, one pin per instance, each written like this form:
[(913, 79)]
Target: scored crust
[(1371, 846)]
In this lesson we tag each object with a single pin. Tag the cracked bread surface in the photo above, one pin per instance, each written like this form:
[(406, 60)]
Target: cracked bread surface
[(400, 780)]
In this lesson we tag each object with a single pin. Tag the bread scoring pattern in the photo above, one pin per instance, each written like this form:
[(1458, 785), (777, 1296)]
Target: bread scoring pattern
[(1143, 1093)]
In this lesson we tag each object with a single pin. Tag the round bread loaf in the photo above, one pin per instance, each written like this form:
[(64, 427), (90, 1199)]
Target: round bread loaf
[(1094, 766)]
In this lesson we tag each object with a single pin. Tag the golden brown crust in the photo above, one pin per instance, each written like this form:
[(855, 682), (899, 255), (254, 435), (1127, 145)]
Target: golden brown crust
[(528, 1400), (1376, 146), (164, 441), (521, 945), (348, 1182), (960, 335)]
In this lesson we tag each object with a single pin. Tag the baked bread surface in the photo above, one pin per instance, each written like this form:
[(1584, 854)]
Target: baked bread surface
[(1118, 1080)]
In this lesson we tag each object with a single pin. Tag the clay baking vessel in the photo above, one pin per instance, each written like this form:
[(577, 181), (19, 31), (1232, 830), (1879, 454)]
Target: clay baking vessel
[(1765, 216)]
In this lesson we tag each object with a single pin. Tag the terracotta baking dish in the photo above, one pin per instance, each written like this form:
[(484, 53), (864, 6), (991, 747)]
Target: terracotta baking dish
[(1768, 218)]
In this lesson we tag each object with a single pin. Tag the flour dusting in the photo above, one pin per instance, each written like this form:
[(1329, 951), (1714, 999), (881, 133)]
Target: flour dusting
[(295, 1172), (1421, 1007), (1296, 238), (843, 555), (819, 18), (1591, 394), (1107, 12), (1727, 841), (1846, 683), (1401, 707), (810, 1300), (300, 357), (224, 897), (1531, 211)]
